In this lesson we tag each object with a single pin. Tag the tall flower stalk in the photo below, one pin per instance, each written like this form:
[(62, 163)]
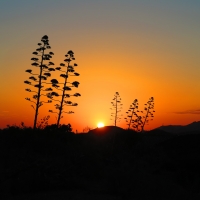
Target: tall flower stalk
[(131, 113), (138, 119), (116, 106), (148, 112), (66, 86), (38, 79)]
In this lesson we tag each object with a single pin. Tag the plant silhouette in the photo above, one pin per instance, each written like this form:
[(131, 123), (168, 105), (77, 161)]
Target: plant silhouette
[(148, 112), (66, 86), (131, 113), (38, 79), (138, 121), (61, 128), (43, 123), (116, 106)]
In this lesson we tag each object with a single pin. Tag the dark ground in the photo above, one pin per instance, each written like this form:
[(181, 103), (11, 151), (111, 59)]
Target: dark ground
[(108, 163)]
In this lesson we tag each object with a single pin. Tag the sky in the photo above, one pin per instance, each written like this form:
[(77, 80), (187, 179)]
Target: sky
[(139, 48)]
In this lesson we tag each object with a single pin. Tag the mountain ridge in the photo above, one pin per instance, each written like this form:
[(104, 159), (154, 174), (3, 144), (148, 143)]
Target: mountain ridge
[(194, 126)]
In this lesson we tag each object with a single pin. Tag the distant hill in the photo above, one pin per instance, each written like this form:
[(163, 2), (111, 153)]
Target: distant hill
[(194, 126), (106, 130)]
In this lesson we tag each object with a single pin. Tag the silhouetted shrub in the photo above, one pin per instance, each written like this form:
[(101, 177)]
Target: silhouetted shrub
[(61, 128)]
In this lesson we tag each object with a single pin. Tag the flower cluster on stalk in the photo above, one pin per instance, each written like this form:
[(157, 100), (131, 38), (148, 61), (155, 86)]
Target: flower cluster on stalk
[(116, 108), (38, 80), (138, 119), (65, 87)]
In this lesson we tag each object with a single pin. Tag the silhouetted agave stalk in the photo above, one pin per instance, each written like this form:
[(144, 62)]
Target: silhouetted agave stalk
[(148, 112), (116, 106), (138, 121), (38, 79), (132, 113), (66, 86)]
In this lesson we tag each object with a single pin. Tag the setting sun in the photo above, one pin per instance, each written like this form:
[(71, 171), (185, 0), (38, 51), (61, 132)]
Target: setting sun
[(100, 124)]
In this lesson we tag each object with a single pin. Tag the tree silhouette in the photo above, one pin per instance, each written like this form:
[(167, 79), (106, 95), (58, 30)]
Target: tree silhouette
[(116, 106), (131, 113), (38, 79), (66, 86)]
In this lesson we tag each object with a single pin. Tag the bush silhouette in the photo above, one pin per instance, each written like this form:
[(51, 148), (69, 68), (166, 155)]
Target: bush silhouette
[(62, 128)]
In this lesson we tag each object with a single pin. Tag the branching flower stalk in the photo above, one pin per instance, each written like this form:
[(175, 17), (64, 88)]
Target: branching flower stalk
[(116, 106), (66, 86), (149, 108), (138, 121), (43, 75), (131, 113)]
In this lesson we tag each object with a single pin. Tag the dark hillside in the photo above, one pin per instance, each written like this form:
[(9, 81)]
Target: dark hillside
[(177, 129), (107, 163)]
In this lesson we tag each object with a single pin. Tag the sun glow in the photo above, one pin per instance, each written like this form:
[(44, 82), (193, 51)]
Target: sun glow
[(100, 125)]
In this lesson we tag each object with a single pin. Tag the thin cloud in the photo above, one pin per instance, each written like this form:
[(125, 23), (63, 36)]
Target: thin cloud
[(197, 112), (4, 113)]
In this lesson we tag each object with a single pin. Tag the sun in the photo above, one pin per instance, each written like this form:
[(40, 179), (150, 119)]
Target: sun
[(100, 125)]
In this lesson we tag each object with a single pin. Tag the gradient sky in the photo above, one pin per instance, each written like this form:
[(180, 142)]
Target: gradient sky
[(139, 48)]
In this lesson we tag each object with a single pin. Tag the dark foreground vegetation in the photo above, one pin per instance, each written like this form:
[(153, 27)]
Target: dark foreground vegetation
[(106, 163)]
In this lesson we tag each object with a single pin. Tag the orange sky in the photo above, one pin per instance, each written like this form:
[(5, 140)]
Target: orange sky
[(139, 49)]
